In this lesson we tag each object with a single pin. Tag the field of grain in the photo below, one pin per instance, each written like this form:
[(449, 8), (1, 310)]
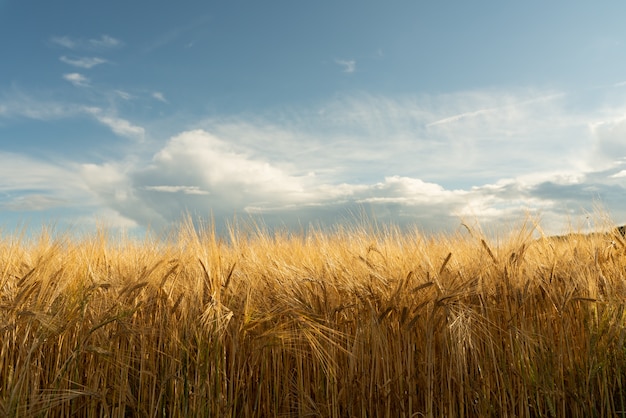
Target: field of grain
[(359, 322)]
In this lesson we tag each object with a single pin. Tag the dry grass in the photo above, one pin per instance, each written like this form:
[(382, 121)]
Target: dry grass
[(358, 323)]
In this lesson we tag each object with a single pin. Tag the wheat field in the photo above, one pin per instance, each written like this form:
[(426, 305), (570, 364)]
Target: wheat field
[(359, 321)]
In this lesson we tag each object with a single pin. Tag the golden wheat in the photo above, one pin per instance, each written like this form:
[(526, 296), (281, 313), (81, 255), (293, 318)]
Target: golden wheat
[(356, 322)]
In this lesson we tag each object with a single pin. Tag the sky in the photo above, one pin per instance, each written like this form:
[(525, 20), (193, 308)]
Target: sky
[(133, 114)]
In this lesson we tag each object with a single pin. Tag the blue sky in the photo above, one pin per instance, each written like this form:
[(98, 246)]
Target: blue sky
[(425, 113)]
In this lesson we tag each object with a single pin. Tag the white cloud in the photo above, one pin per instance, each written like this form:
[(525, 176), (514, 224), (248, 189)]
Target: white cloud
[(216, 164), (119, 126), (349, 66), (83, 62), (107, 180), (461, 116), (33, 202), (230, 179), (175, 189), (23, 106), (65, 42), (175, 33), (431, 160), (509, 107), (61, 186), (478, 135), (211, 176), (20, 105), (123, 94), (111, 184), (106, 218), (77, 79), (159, 96), (101, 43), (122, 127), (28, 184), (500, 135), (410, 191), (105, 41), (608, 135), (35, 174)]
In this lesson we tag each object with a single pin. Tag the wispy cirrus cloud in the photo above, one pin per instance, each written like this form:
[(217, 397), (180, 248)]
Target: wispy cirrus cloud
[(33, 202), (57, 179), (77, 79), (119, 126), (505, 104), (102, 43), (178, 189), (619, 174), (28, 184), (123, 94), (336, 138), (349, 66), (157, 95), (174, 34), (65, 42), (83, 62), (22, 105), (105, 41)]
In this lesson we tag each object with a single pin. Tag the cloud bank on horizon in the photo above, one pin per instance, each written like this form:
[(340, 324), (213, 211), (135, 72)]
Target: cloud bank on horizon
[(108, 140), (397, 159)]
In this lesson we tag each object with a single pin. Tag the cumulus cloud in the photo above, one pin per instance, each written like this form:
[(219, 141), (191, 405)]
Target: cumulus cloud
[(609, 142), (111, 184), (409, 191), (200, 159), (194, 171), (211, 176), (83, 62)]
